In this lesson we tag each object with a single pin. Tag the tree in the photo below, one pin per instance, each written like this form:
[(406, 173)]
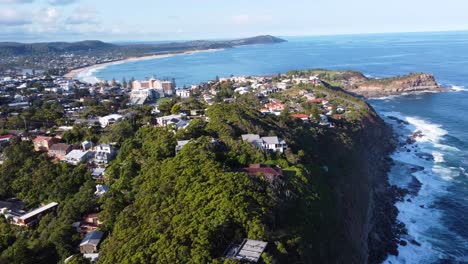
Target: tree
[(175, 109)]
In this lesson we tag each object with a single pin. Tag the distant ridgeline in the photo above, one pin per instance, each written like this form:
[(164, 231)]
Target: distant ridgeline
[(94, 46)]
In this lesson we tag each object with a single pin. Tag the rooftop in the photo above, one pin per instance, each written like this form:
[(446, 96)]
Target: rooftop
[(249, 250), (92, 238), (38, 210)]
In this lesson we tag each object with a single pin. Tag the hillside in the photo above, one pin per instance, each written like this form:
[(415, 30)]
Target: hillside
[(92, 46), (14, 48)]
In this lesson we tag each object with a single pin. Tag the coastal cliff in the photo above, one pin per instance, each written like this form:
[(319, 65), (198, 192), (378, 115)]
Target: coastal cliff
[(358, 84), (415, 82), (364, 211)]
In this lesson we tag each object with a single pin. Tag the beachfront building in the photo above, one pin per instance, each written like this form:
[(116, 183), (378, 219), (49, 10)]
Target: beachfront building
[(164, 88)]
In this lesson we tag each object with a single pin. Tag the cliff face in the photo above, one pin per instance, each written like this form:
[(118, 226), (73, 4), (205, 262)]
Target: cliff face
[(364, 201), (417, 82)]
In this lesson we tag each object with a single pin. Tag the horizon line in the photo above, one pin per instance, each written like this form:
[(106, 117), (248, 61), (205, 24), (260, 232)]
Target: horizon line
[(240, 37)]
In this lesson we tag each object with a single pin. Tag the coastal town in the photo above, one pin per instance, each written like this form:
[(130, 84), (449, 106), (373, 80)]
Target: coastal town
[(48, 111)]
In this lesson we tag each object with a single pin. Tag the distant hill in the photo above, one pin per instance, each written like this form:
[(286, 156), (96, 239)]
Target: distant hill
[(265, 39), (13, 48), (94, 46)]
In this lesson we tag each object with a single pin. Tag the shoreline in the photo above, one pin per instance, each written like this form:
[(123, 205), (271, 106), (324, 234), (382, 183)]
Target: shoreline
[(75, 72)]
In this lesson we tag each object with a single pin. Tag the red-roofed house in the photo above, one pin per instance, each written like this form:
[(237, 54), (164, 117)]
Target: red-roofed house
[(275, 106), (90, 223), (270, 172), (6, 138), (43, 143), (303, 117)]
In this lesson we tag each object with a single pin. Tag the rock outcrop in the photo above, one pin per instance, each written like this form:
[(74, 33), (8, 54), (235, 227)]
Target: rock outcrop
[(415, 82)]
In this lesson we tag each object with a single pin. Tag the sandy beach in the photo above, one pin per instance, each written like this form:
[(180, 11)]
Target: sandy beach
[(74, 73)]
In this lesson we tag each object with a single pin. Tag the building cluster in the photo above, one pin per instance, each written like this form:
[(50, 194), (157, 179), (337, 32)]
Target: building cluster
[(61, 63), (18, 92), (149, 90)]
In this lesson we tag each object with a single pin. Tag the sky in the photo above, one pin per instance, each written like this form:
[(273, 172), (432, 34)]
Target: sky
[(152, 20)]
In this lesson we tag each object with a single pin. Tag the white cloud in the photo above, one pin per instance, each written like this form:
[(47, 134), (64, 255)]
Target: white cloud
[(49, 15), (62, 2), (83, 15), (10, 17), (16, 1)]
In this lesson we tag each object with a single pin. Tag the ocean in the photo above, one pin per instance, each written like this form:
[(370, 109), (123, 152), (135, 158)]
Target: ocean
[(434, 168)]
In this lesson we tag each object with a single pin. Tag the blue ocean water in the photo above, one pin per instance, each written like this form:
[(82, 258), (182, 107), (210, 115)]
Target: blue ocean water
[(436, 213)]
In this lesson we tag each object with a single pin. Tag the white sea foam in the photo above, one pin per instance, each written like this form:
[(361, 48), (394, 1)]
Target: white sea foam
[(420, 215), (431, 132), (438, 156), (457, 88)]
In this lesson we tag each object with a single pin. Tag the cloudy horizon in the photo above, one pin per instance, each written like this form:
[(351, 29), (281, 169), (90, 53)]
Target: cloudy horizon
[(73, 20)]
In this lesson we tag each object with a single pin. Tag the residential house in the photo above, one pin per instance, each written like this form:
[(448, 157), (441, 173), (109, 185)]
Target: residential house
[(103, 154), (90, 242), (6, 138), (275, 107), (272, 173), (183, 93), (42, 143), (86, 145), (97, 173), (273, 144), (303, 117), (89, 224), (76, 157), (35, 215), (59, 150), (249, 250), (141, 96), (179, 121), (109, 120)]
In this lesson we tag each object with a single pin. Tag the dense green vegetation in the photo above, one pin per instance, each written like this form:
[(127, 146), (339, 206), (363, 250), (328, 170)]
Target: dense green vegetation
[(164, 207), (31, 177)]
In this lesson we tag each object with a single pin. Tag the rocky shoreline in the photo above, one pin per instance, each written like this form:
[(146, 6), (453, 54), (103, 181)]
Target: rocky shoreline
[(411, 83), (387, 213)]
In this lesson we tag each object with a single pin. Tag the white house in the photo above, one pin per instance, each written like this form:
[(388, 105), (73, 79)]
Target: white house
[(109, 120), (76, 156), (242, 90), (273, 144), (103, 154), (183, 93), (179, 121)]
